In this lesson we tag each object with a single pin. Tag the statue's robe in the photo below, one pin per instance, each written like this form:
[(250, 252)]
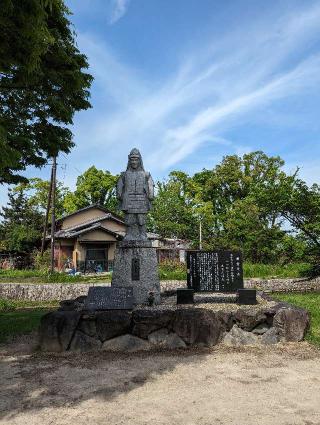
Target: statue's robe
[(135, 191)]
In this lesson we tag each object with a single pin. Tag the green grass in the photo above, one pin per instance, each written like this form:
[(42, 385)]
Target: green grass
[(11, 305), (20, 317), (176, 271), (37, 276), (272, 271), (311, 302), (169, 270)]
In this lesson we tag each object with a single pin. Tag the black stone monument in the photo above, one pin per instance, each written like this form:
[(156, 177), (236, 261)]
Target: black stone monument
[(214, 271)]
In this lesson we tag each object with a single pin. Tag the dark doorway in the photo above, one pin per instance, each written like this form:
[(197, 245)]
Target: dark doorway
[(96, 258)]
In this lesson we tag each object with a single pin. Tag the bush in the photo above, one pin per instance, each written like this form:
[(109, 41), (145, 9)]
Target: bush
[(42, 262), (171, 269)]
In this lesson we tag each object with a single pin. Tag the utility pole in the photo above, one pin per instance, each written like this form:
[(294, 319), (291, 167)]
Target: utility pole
[(200, 233), (53, 209), (45, 228)]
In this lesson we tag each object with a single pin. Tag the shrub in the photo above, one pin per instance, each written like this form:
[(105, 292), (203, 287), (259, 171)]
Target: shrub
[(172, 269), (42, 262)]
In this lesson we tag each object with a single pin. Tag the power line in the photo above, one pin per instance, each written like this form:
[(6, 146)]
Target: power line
[(77, 170)]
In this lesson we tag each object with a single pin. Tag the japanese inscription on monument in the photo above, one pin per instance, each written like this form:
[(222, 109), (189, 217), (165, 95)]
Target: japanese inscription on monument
[(109, 298), (218, 271)]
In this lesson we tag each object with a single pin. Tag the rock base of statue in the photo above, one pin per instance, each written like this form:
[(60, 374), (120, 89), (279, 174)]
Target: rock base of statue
[(136, 266)]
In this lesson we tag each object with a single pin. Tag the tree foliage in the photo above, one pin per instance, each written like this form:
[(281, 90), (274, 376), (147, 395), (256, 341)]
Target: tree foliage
[(36, 191), (171, 215), (247, 203), (20, 229), (42, 83), (93, 187)]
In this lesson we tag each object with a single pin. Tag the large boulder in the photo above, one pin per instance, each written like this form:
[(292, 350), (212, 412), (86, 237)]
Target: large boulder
[(261, 329), (197, 326), (57, 329), (112, 323), (146, 321), (237, 337), (163, 339), (249, 319), (291, 323), (226, 319), (83, 342), (87, 325), (70, 305), (127, 343), (270, 337)]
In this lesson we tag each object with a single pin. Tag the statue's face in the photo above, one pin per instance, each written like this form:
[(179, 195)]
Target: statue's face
[(134, 162)]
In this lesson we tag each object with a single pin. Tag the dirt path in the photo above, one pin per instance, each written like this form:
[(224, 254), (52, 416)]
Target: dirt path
[(223, 386)]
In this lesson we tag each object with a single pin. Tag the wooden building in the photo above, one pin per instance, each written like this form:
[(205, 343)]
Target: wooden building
[(86, 240)]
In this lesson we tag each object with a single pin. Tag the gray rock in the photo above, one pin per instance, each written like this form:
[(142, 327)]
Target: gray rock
[(261, 329), (163, 339), (291, 323), (196, 326), (83, 342), (127, 343), (173, 341), (158, 337), (112, 323), (270, 337), (226, 319), (249, 319), (88, 326), (56, 330), (146, 321), (237, 337), (70, 305)]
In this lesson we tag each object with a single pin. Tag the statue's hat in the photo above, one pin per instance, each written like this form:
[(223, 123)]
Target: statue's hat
[(135, 152)]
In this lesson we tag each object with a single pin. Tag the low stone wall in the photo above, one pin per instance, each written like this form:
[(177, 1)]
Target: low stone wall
[(63, 291), (266, 285), (170, 326), (283, 285)]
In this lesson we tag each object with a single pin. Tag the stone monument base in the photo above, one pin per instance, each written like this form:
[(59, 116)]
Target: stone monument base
[(74, 328), (136, 265)]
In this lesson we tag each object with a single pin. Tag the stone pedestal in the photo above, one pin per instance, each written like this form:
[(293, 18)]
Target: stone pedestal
[(135, 265)]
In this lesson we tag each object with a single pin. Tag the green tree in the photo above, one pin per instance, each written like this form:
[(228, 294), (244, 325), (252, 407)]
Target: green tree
[(36, 192), (20, 229), (172, 211), (243, 214), (93, 187), (42, 84)]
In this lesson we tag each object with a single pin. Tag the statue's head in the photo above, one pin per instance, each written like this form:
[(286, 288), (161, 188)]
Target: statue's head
[(135, 161)]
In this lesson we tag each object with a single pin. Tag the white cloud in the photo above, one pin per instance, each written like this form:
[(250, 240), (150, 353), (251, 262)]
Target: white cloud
[(214, 89), (118, 8)]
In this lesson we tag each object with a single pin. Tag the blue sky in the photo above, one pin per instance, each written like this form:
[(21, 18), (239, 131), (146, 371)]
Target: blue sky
[(189, 81)]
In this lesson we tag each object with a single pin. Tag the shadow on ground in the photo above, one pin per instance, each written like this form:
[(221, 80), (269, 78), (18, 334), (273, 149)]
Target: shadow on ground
[(37, 381), (40, 380)]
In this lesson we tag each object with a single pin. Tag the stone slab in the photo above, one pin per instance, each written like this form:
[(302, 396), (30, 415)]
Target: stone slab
[(109, 298)]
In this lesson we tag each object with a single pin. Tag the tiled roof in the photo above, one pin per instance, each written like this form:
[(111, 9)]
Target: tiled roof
[(88, 222), (68, 233), (99, 207)]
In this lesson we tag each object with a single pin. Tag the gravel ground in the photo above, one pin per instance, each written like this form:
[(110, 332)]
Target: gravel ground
[(248, 386), (206, 301)]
